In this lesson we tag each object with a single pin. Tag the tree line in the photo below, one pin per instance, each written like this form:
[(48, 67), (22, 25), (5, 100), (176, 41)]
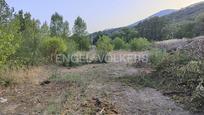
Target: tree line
[(25, 41)]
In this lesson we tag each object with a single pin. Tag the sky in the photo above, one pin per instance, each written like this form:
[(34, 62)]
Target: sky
[(98, 14)]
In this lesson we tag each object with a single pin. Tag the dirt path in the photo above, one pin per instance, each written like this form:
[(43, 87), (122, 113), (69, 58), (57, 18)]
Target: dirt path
[(92, 92), (131, 101)]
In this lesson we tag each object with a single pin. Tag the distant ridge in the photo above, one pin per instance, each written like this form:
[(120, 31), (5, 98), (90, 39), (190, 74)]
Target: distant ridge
[(174, 16), (159, 14)]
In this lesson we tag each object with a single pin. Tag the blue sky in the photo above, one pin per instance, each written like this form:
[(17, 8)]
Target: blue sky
[(98, 14)]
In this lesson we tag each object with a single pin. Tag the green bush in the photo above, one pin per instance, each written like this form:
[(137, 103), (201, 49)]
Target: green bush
[(8, 46), (183, 77), (139, 44), (52, 46), (156, 56), (118, 43), (83, 42), (103, 46)]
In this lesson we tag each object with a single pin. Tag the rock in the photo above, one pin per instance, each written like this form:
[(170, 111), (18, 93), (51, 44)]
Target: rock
[(2, 100)]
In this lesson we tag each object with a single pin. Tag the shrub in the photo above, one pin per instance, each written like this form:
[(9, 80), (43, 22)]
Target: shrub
[(84, 44), (72, 47), (103, 47), (127, 46), (139, 44), (53, 46), (8, 46), (156, 56), (181, 77), (118, 43)]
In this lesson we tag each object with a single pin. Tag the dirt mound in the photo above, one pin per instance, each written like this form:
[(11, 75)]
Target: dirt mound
[(194, 48)]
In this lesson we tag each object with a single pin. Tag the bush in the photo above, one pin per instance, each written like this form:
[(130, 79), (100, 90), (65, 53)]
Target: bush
[(156, 56), (139, 44), (118, 43), (182, 78), (52, 46), (103, 47), (72, 47), (83, 42), (8, 46)]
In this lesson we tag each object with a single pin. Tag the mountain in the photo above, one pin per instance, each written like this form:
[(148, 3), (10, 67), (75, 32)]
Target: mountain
[(159, 14), (174, 16), (116, 30), (186, 14)]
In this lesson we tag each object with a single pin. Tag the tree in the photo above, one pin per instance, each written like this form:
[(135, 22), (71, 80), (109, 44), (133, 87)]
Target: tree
[(6, 12), (7, 46), (52, 46), (126, 33), (80, 34), (103, 47), (66, 32), (44, 30), (29, 52), (80, 27), (58, 27), (199, 25), (83, 42), (118, 43), (139, 44), (185, 30), (153, 28)]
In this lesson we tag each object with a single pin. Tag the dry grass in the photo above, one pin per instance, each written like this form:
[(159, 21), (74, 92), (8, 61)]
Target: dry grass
[(33, 75)]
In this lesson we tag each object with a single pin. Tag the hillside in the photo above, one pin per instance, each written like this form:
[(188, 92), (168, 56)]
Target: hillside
[(117, 30), (159, 14), (187, 14)]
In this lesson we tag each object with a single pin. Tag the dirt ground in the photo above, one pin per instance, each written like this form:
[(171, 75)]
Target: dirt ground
[(88, 90)]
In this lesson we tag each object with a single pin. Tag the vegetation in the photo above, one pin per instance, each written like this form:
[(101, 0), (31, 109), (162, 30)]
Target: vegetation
[(118, 43), (103, 47), (53, 46), (139, 44), (156, 56), (184, 76), (25, 42)]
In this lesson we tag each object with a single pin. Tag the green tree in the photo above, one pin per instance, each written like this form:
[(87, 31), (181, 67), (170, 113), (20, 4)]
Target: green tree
[(126, 33), (28, 53), (83, 42), (80, 27), (80, 34), (103, 46), (153, 28), (199, 25), (44, 30), (65, 32), (118, 43), (56, 25), (139, 44), (52, 46), (6, 12), (8, 46)]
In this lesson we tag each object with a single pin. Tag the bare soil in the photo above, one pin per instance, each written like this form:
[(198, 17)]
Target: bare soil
[(94, 93)]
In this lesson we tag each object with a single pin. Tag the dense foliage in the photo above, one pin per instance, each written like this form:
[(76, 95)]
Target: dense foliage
[(118, 43), (103, 47), (24, 41), (139, 44), (182, 77)]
